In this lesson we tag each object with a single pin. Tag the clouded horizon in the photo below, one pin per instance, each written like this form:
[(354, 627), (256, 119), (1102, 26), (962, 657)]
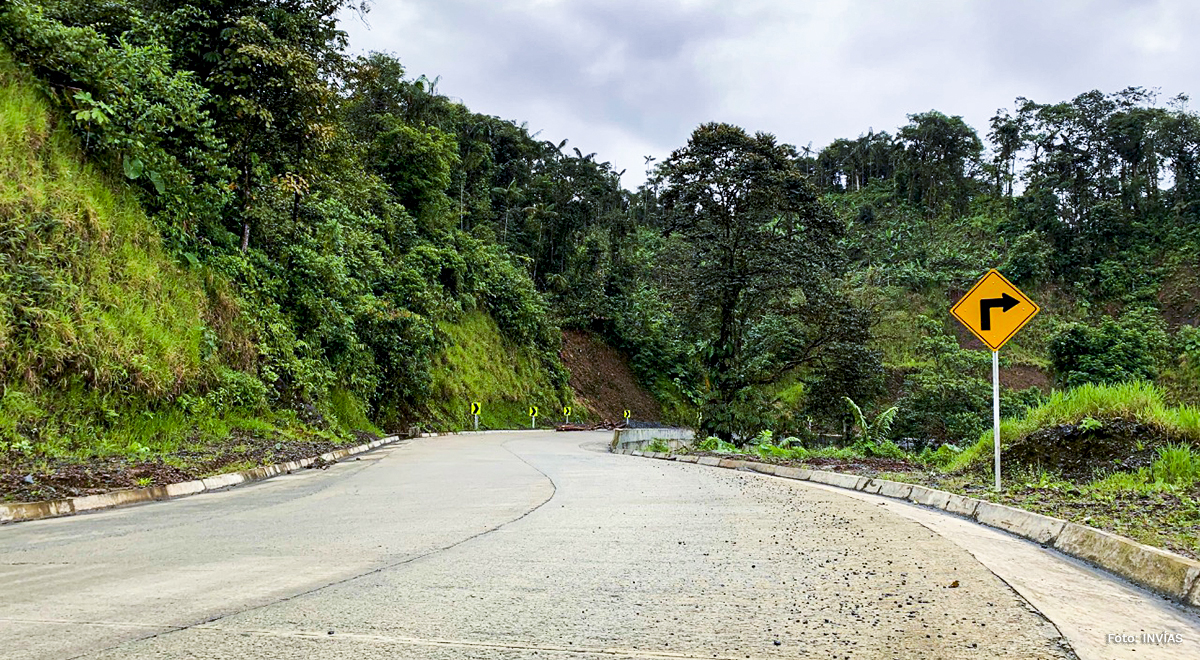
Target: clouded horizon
[(627, 79)]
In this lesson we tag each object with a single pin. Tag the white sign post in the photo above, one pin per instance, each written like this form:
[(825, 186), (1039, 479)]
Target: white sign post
[(996, 412)]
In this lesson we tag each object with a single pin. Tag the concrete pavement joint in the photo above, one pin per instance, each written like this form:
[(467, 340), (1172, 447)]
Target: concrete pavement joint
[(1153, 569), (380, 569), (27, 511), (101, 624)]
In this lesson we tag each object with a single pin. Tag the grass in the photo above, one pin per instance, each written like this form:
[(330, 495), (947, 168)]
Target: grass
[(100, 330), (478, 364), (1135, 400), (86, 289), (108, 346)]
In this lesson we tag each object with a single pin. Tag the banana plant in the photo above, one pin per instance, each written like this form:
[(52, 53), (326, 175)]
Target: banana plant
[(874, 432)]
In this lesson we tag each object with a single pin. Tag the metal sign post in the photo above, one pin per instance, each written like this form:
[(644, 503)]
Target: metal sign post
[(533, 413), (567, 414), (996, 412), (475, 408)]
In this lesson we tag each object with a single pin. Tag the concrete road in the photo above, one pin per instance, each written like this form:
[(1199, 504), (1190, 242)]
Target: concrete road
[(542, 545)]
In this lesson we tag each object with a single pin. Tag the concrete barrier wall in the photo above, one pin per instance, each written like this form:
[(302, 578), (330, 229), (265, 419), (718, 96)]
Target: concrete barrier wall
[(627, 440)]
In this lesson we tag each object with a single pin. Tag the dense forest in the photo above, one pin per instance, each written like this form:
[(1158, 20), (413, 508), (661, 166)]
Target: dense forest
[(309, 241)]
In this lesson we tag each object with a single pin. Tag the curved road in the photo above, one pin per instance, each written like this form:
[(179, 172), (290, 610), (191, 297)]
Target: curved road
[(543, 545)]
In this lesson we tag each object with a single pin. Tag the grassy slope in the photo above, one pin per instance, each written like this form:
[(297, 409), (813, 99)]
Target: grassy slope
[(108, 348), (480, 365), (86, 288), (113, 357), (92, 313)]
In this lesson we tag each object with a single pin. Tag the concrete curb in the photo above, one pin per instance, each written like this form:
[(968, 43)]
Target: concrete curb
[(1154, 569), (25, 511)]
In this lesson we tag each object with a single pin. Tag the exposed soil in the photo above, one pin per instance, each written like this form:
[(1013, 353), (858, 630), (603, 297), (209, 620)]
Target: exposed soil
[(1080, 455), (603, 381), (33, 478), (1023, 376), (1180, 298)]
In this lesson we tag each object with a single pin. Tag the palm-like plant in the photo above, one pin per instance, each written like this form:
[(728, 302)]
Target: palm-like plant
[(874, 432)]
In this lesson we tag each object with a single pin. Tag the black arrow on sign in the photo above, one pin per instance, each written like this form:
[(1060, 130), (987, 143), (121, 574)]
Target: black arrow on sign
[(1005, 302)]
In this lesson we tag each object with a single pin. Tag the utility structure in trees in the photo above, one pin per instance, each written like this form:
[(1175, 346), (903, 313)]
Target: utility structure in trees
[(753, 265)]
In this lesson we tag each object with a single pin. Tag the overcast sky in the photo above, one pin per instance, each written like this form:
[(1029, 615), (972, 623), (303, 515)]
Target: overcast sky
[(631, 78)]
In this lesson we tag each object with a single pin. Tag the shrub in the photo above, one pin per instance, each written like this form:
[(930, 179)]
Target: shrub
[(134, 112), (236, 390), (1030, 258), (658, 445), (1113, 352), (949, 400), (713, 443), (943, 456)]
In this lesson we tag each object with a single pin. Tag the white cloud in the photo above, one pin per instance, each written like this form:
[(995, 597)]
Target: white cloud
[(630, 78)]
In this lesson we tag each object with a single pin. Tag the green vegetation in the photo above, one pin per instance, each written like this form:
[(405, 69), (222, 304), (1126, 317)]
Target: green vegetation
[(658, 445), (207, 247), (220, 233), (1086, 406), (478, 365), (108, 345)]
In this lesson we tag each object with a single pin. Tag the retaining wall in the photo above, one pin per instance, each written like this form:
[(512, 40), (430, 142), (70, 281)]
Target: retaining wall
[(627, 440)]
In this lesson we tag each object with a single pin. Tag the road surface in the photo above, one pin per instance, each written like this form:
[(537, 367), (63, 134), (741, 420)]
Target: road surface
[(543, 545)]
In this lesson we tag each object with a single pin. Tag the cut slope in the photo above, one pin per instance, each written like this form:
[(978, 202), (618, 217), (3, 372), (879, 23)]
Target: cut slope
[(87, 296), (477, 364), (603, 382)]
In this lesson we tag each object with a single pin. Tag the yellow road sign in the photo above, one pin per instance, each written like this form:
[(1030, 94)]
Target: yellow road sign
[(626, 414), (475, 407), (566, 410), (994, 309), (533, 411)]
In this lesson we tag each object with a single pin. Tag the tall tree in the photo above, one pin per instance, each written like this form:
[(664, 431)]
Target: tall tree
[(938, 161), (755, 244)]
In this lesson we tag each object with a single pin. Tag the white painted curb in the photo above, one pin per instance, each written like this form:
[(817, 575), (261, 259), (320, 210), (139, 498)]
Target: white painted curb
[(24, 511)]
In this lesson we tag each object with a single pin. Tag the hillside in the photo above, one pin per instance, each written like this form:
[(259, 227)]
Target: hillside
[(603, 382), (125, 362), (227, 239)]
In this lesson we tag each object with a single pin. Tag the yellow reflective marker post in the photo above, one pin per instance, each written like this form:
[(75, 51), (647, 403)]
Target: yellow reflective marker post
[(567, 414), (994, 310), (533, 413), (627, 416), (475, 409)]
